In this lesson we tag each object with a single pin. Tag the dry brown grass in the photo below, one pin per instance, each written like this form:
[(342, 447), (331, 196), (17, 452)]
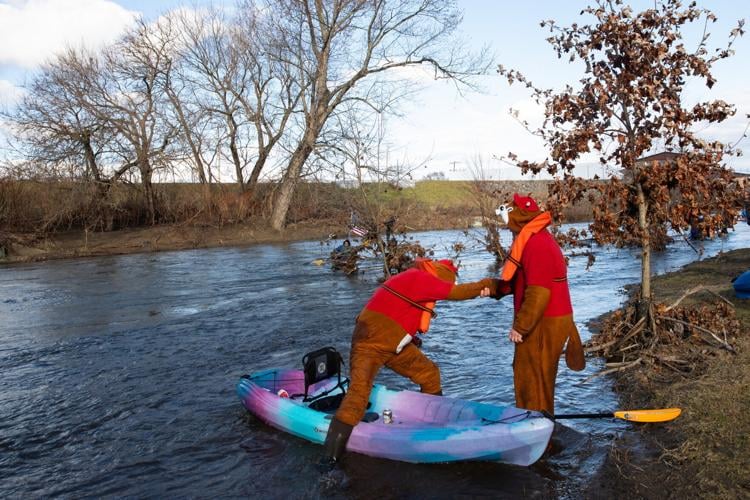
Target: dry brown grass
[(715, 427), (704, 453), (50, 207)]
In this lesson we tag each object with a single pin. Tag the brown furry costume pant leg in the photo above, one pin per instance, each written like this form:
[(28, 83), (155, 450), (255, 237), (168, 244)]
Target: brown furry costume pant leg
[(536, 360), (372, 348)]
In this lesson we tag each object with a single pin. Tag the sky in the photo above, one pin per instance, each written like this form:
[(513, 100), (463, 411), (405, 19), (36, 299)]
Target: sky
[(441, 129)]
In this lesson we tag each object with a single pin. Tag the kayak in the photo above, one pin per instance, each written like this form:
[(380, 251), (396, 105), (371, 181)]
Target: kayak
[(400, 425), (742, 285)]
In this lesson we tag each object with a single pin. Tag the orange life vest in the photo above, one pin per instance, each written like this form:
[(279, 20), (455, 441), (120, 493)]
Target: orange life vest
[(424, 321)]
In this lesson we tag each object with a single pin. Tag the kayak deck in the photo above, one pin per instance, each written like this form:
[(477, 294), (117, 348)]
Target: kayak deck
[(425, 428)]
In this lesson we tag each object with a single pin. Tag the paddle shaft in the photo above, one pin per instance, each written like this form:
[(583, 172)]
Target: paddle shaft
[(585, 415), (654, 415)]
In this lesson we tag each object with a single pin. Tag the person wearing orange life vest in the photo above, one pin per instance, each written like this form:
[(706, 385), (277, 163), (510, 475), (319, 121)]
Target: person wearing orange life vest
[(384, 335), (535, 273)]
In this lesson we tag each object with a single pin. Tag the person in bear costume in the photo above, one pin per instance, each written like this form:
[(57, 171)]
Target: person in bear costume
[(535, 273), (385, 335)]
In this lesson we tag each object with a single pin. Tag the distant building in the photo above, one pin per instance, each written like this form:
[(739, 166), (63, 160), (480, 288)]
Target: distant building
[(347, 183), (406, 183), (665, 157), (647, 161)]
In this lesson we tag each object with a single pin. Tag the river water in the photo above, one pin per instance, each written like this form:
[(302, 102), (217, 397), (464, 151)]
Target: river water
[(119, 373)]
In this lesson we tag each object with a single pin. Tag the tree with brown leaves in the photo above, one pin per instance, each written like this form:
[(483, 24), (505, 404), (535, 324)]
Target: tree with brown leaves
[(629, 102)]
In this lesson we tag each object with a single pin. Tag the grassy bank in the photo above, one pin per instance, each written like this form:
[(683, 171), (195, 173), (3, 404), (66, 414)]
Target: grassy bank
[(41, 220), (705, 452)]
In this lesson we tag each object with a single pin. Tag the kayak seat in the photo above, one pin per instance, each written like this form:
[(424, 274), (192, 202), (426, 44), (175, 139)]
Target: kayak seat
[(320, 365)]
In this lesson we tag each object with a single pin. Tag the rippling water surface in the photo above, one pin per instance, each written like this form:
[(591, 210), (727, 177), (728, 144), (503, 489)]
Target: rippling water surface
[(118, 373)]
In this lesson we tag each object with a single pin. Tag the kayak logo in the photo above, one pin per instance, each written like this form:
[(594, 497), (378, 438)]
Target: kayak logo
[(322, 367)]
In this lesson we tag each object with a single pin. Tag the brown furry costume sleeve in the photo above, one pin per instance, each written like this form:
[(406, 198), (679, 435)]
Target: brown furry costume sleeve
[(472, 290), (535, 300)]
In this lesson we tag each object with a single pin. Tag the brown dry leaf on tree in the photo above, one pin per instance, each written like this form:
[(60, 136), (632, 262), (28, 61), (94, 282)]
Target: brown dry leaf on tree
[(628, 104)]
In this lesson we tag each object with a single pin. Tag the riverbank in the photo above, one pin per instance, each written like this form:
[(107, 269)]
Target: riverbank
[(704, 453), (40, 221), (78, 243), (167, 237)]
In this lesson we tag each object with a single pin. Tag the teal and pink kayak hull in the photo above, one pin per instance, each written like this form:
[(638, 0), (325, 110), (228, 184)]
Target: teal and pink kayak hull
[(425, 428)]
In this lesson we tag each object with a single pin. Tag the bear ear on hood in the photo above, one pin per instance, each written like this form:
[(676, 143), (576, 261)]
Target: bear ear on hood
[(524, 210), (525, 203), (449, 264)]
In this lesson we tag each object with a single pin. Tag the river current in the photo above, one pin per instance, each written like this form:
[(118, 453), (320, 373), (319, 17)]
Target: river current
[(119, 373)]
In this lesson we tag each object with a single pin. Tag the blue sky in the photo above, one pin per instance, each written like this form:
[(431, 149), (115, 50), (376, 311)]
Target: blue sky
[(440, 128)]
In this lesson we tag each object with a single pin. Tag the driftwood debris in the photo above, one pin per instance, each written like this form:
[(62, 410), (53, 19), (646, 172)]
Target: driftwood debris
[(671, 337)]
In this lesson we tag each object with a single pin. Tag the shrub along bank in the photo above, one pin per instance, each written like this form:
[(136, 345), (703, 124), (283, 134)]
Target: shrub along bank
[(60, 213)]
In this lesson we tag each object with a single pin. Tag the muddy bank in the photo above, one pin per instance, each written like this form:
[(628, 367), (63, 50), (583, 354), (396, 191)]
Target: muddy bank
[(704, 453), (78, 243), (25, 248)]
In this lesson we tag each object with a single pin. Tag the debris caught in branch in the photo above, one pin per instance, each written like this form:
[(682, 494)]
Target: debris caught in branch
[(673, 338)]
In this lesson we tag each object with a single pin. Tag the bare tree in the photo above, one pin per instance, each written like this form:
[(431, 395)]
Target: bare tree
[(53, 125), (59, 134), (631, 97), (270, 91), (337, 45), (186, 106), (232, 77), (214, 70), (126, 92)]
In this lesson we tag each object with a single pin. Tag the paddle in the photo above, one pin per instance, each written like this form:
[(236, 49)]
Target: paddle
[(660, 415)]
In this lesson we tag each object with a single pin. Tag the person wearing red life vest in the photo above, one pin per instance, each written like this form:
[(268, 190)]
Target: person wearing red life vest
[(384, 335), (535, 273)]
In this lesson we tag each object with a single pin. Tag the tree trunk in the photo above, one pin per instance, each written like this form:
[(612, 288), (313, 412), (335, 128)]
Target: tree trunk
[(199, 168), (148, 190), (289, 183), (187, 133), (107, 218), (645, 298), (257, 168), (233, 149), (92, 169)]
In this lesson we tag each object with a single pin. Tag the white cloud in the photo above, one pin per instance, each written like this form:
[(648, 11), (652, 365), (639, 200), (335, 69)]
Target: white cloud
[(9, 93), (33, 30), (455, 131)]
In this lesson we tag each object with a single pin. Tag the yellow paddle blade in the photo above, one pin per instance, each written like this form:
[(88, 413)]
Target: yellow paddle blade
[(662, 415)]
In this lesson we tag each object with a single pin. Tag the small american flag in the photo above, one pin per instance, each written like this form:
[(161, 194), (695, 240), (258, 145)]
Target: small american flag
[(359, 231)]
